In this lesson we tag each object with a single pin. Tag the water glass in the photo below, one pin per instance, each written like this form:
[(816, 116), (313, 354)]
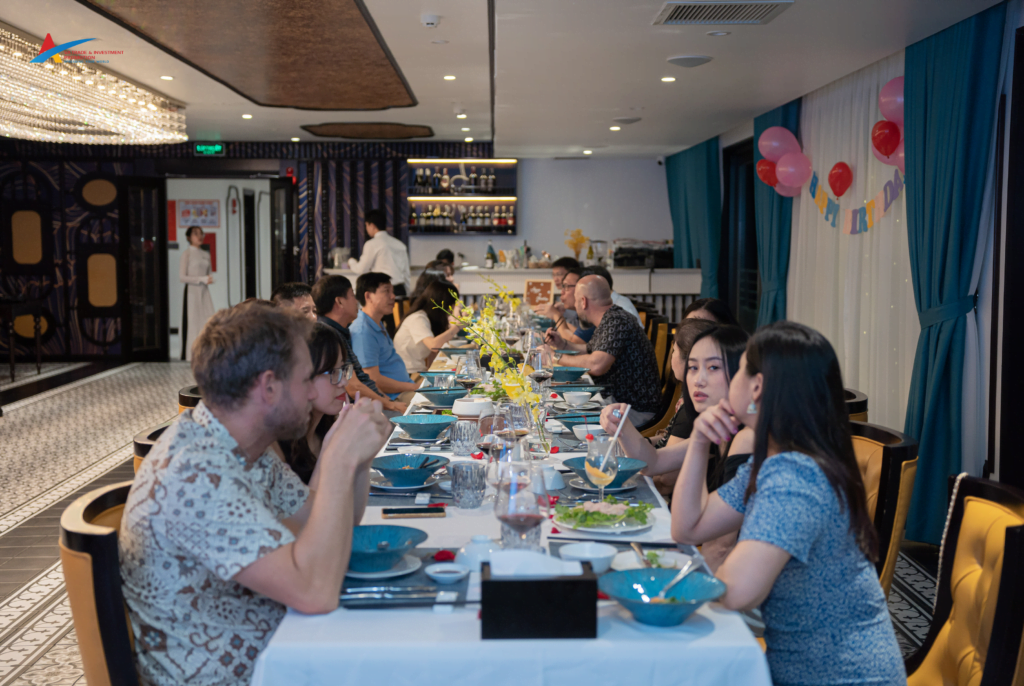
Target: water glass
[(444, 381), (464, 434), (468, 484), (602, 463)]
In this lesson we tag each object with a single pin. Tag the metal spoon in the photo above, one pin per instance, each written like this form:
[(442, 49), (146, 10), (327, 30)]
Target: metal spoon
[(694, 562), (640, 554)]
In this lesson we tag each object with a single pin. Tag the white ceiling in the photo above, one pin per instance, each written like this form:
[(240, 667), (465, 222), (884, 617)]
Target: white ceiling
[(564, 68)]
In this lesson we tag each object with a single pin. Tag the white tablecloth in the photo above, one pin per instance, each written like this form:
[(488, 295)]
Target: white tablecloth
[(419, 647)]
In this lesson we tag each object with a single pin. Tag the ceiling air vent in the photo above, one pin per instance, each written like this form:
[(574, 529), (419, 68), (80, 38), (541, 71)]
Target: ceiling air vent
[(709, 12)]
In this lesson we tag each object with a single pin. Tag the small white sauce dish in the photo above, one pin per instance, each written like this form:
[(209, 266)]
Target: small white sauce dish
[(599, 555), (447, 572)]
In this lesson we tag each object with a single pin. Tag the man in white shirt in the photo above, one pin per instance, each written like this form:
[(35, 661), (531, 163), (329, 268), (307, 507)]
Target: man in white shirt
[(617, 298), (383, 253)]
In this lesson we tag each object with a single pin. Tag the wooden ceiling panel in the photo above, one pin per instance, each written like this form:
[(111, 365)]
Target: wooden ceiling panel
[(324, 55), (370, 130)]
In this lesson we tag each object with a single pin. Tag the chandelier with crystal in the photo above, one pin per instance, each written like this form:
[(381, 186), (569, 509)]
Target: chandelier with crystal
[(70, 101)]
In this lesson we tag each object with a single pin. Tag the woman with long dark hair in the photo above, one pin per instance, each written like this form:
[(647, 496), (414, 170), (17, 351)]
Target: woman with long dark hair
[(428, 326), (331, 374), (806, 542), (710, 308)]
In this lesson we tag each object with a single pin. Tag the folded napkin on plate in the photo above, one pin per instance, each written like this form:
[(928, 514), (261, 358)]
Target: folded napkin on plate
[(531, 564)]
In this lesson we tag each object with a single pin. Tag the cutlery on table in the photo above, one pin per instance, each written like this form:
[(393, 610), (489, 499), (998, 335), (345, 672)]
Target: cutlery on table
[(389, 589), (691, 565), (408, 495), (644, 562)]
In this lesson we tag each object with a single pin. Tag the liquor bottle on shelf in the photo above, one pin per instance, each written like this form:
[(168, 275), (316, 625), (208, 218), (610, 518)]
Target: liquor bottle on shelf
[(422, 221), (490, 181), (435, 182), (418, 188), (412, 217), (589, 261), (437, 217), (461, 225), (511, 220), (487, 218), (472, 180), (471, 220), (447, 214), (445, 181), (426, 190), (491, 257)]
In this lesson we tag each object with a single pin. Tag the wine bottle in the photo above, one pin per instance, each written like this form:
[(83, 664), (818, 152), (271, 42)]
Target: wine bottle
[(511, 222), (418, 188), (472, 180), (491, 257), (462, 220), (487, 218), (422, 221), (436, 182), (445, 181), (412, 217), (490, 181)]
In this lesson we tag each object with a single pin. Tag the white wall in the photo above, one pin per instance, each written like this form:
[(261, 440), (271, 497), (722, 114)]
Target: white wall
[(227, 261), (613, 198)]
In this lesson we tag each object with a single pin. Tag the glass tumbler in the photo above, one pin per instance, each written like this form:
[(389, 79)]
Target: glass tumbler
[(468, 484), (464, 434)]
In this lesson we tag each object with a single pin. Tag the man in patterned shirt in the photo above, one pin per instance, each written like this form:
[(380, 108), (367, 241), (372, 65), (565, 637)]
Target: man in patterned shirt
[(619, 355), (219, 536)]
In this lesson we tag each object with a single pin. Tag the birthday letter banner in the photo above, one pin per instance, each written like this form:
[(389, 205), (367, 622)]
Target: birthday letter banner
[(860, 219)]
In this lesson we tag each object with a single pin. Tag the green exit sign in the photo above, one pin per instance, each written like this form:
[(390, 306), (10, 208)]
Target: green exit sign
[(208, 149)]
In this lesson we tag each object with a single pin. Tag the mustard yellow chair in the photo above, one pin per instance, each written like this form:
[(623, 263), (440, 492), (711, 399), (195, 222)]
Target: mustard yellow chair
[(977, 627), (144, 442), (661, 348), (88, 555), (888, 465), (856, 405), (667, 415), (188, 397)]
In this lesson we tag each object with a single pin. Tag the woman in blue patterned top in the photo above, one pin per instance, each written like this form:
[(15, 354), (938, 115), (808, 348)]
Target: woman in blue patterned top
[(806, 543)]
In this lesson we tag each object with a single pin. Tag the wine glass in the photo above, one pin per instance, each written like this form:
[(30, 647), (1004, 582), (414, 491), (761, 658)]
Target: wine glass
[(522, 504), (521, 419), (541, 361), (601, 470)]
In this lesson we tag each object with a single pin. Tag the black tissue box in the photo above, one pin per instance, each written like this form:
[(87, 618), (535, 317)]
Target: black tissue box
[(556, 607)]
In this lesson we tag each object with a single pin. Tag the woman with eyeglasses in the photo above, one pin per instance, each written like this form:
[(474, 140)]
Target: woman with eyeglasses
[(331, 374)]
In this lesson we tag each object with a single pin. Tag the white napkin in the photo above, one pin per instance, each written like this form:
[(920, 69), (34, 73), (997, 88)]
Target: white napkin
[(528, 564)]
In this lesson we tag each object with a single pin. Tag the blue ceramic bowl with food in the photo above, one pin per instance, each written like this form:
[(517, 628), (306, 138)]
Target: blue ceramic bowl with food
[(567, 374), (408, 471), (443, 397), (379, 547), (630, 588), (628, 468), (424, 426)]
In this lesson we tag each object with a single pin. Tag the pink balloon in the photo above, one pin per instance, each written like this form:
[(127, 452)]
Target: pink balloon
[(900, 159), (793, 169), (890, 101), (775, 142), (788, 191)]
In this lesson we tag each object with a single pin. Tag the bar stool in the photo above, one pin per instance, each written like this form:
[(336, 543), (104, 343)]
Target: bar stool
[(188, 397)]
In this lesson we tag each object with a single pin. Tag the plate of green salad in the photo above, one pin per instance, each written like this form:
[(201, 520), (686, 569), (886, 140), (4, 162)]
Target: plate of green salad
[(607, 517)]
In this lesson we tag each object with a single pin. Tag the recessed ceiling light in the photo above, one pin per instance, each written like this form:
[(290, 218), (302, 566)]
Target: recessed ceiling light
[(449, 78), (439, 42), (718, 33), (588, 152), (465, 128), (614, 128), (460, 116), (295, 140), (246, 116), (469, 139), (167, 78), (668, 79)]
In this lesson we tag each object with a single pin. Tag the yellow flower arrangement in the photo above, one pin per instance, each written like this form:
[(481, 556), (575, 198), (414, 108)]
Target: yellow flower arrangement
[(576, 241)]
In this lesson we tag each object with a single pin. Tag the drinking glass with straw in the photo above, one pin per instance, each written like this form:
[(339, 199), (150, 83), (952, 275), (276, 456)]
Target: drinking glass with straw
[(601, 467)]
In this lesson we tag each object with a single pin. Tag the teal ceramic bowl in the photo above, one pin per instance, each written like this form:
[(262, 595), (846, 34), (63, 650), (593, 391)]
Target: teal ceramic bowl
[(425, 426), (628, 468), (568, 374), (443, 397), (543, 323), (575, 387), (629, 588), (402, 470), (379, 547)]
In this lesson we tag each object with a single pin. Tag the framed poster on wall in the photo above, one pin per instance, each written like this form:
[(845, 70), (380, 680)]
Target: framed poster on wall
[(202, 213)]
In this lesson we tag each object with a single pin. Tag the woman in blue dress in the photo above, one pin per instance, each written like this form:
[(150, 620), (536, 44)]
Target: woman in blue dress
[(806, 544)]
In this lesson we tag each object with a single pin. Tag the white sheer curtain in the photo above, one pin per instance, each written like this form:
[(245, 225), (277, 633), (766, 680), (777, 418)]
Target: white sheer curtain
[(855, 289)]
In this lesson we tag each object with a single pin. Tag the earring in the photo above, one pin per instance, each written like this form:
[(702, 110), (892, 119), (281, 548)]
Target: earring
[(751, 408)]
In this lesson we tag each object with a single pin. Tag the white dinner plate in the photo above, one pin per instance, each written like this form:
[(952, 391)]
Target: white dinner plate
[(378, 481), (670, 559), (591, 405), (620, 528), (407, 565), (584, 486)]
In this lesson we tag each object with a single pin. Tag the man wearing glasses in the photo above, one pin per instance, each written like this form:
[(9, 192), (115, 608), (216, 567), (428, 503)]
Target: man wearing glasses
[(566, 329)]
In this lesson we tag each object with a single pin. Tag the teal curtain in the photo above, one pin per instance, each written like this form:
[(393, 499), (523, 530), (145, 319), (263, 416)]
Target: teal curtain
[(951, 82), (695, 201), (773, 215)]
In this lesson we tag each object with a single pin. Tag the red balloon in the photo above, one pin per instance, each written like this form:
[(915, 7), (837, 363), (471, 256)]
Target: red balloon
[(766, 172), (885, 136), (840, 178)]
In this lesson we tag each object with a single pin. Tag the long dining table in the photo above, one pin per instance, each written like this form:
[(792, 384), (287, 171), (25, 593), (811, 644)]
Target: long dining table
[(442, 644)]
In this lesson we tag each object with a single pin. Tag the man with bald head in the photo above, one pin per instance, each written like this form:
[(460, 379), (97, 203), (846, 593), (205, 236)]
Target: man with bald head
[(619, 355)]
